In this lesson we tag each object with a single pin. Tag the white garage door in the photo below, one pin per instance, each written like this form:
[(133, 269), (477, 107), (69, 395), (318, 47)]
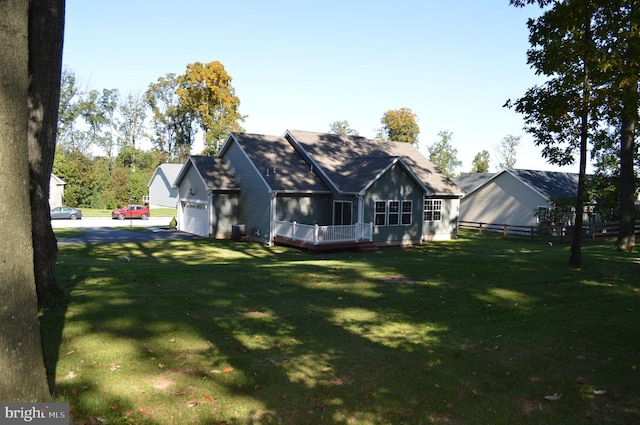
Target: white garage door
[(195, 219)]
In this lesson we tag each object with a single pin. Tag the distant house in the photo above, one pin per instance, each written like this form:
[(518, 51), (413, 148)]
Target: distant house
[(56, 191), (316, 188), (513, 196), (161, 190)]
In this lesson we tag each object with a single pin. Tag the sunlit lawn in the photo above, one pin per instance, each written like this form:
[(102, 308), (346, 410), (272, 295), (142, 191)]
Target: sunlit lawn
[(472, 331)]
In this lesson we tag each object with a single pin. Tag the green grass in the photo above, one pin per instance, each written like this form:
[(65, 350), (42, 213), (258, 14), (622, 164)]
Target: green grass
[(472, 331)]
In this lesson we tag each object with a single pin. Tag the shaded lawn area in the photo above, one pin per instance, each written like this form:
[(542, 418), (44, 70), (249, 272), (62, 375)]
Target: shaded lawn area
[(472, 331)]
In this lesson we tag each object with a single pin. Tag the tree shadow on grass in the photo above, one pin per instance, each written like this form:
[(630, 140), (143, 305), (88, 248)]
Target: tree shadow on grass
[(232, 333)]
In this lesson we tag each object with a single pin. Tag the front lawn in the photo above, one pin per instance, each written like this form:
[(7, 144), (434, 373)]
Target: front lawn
[(472, 331)]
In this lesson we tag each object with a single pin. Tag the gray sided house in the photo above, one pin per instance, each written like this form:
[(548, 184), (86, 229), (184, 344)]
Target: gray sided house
[(162, 193), (513, 196), (322, 187), (207, 197)]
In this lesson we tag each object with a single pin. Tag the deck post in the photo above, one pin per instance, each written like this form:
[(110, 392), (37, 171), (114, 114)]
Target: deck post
[(316, 230), (293, 231)]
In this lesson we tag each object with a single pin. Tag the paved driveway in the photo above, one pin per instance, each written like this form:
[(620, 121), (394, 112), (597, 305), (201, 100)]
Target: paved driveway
[(101, 230)]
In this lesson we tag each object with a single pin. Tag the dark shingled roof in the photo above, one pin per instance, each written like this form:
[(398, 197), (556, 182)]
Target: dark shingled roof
[(469, 181), (353, 162), (215, 172), (280, 165), (551, 184)]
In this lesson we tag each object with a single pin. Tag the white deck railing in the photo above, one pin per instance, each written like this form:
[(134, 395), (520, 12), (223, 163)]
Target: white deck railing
[(317, 234)]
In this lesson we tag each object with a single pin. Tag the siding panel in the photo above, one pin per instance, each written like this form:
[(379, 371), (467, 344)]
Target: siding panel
[(254, 203), (505, 200), (395, 185)]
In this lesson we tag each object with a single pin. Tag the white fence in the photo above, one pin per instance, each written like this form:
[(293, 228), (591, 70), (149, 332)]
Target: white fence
[(316, 234)]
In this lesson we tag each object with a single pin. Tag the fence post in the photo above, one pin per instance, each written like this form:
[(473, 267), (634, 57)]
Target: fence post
[(531, 232), (315, 233), (504, 231), (293, 231), (480, 229)]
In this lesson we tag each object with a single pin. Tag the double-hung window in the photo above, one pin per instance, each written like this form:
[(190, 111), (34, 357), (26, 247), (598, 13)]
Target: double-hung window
[(393, 213), (380, 218), (432, 209), (405, 218)]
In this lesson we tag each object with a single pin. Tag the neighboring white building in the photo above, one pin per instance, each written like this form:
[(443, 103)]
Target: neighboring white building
[(56, 191), (512, 196)]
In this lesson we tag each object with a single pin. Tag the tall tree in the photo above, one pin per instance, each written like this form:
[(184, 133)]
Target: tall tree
[(173, 126), (133, 113), (46, 31), (22, 375), (507, 152), (205, 90), (562, 114), (604, 38), (98, 110), (342, 128), (69, 113), (444, 155), (400, 125), (480, 163), (622, 39)]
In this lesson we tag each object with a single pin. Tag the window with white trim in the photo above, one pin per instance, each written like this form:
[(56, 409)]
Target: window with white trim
[(432, 209), (394, 213), (407, 207), (380, 215)]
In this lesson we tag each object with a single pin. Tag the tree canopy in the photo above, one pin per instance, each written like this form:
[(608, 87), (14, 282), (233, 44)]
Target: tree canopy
[(342, 128), (400, 125), (103, 134), (507, 152), (206, 92), (480, 163), (444, 155), (588, 50)]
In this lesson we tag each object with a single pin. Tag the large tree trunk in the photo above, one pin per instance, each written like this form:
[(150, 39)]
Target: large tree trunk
[(626, 237), (46, 31), (22, 372), (576, 242), (629, 120)]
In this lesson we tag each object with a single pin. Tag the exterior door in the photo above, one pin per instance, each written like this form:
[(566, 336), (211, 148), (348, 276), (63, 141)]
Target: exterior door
[(342, 213), (195, 219)]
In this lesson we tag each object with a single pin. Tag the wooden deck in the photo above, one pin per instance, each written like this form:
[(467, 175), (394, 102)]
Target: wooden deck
[(360, 246)]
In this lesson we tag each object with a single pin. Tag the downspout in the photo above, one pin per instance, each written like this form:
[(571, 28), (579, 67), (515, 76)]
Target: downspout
[(211, 213), (272, 218)]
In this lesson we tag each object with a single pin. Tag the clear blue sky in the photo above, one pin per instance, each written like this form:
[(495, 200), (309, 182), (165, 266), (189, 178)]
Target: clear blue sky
[(303, 65)]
